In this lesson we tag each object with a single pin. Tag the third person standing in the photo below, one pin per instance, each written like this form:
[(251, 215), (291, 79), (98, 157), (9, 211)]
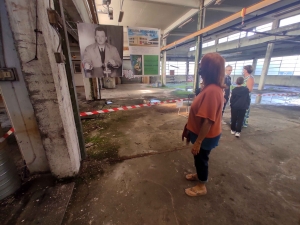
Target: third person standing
[(228, 71)]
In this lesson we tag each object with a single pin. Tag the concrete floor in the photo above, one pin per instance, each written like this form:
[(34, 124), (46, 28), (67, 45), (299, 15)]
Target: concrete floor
[(253, 180), (130, 94), (134, 173)]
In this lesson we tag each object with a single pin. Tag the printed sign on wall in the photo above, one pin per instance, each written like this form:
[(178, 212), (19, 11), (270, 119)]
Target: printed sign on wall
[(144, 49)]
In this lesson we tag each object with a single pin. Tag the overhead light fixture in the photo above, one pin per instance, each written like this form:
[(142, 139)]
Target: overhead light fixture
[(121, 14), (106, 9), (219, 2), (181, 25), (103, 11)]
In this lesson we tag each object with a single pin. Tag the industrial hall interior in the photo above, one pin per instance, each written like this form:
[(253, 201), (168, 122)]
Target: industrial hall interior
[(149, 112)]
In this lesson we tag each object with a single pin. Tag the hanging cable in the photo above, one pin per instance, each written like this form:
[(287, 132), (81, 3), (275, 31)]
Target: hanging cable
[(37, 31), (60, 39)]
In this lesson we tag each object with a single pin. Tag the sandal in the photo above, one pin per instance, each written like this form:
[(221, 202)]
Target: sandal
[(191, 177), (194, 193)]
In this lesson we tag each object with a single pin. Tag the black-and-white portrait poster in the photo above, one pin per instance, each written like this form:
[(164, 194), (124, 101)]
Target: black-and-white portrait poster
[(101, 49)]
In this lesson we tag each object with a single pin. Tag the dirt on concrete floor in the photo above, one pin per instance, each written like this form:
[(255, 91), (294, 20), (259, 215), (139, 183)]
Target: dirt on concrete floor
[(134, 173), (129, 94)]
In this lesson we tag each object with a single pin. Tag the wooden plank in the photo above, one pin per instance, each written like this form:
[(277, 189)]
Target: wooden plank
[(233, 17), (47, 206)]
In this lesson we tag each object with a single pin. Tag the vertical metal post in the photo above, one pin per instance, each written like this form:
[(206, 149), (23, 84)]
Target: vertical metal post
[(70, 73), (198, 53), (163, 65)]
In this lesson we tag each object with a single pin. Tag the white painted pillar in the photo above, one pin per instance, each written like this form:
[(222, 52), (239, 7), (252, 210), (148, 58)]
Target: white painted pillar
[(164, 65), (258, 97), (187, 69), (46, 84), (267, 61), (199, 42), (254, 64)]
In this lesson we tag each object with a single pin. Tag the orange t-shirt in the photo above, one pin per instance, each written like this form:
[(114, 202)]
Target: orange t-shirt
[(208, 105)]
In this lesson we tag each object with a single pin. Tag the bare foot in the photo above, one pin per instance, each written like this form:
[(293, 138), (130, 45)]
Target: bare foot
[(191, 177), (198, 190)]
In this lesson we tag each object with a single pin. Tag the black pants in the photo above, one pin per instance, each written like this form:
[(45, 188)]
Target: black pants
[(225, 103), (201, 164), (237, 118)]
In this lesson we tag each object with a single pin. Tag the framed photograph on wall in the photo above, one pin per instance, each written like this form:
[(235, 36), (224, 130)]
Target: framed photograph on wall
[(101, 49)]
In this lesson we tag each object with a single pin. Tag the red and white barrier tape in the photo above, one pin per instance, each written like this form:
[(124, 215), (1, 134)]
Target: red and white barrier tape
[(130, 107), (163, 102), (11, 130)]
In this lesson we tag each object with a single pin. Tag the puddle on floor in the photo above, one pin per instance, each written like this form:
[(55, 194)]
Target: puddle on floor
[(276, 100), (154, 101)]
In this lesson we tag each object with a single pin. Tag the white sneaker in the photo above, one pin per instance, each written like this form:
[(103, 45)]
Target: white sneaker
[(233, 132), (223, 122), (237, 134)]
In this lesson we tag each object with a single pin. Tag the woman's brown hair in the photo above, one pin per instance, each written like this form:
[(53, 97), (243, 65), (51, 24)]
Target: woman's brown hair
[(249, 68), (212, 69)]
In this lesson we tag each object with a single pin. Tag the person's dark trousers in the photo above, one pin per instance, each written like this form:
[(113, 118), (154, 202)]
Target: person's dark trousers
[(225, 103), (201, 164), (237, 118)]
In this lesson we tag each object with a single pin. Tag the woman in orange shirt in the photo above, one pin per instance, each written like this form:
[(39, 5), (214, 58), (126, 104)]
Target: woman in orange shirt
[(204, 122)]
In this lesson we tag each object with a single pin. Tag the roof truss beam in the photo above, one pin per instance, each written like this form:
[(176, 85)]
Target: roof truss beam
[(231, 18)]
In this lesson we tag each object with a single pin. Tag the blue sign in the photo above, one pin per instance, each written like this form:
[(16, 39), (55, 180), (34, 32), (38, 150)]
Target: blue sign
[(288, 73)]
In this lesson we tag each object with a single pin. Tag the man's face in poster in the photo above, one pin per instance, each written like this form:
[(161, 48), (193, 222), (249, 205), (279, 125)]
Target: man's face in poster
[(100, 37)]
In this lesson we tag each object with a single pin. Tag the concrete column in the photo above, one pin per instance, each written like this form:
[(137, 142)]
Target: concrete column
[(46, 83), (258, 97), (268, 56), (198, 52), (187, 69), (254, 64), (164, 65), (70, 77)]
